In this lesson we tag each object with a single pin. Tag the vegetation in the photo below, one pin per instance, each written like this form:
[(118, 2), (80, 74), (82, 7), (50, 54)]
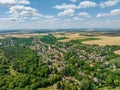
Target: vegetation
[(62, 38), (83, 40), (44, 63), (49, 39)]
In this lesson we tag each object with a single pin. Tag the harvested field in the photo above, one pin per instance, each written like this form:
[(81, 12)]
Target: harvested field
[(24, 35), (105, 40)]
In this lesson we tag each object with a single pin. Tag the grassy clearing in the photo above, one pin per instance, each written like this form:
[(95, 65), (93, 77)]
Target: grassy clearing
[(47, 88), (117, 52), (13, 72)]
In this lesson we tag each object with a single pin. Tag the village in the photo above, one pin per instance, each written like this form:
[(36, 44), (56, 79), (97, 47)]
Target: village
[(65, 65)]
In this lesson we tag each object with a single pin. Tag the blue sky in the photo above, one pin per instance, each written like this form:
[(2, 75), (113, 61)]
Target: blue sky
[(53, 14)]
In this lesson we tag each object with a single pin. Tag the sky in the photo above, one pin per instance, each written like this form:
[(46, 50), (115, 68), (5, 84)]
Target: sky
[(59, 14)]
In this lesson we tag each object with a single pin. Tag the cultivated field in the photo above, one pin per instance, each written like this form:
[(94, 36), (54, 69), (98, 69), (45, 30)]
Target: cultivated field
[(105, 40), (24, 35), (69, 36)]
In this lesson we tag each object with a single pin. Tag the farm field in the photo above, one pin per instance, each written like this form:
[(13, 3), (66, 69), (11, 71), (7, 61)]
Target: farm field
[(24, 35), (103, 39), (69, 36), (66, 37)]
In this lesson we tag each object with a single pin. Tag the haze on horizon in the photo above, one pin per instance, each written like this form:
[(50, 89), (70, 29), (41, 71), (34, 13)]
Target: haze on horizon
[(47, 14)]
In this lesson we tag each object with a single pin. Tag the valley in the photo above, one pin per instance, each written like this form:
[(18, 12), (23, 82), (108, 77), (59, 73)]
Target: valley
[(59, 61)]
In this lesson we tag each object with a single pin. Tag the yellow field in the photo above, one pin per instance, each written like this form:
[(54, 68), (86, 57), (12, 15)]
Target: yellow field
[(105, 40)]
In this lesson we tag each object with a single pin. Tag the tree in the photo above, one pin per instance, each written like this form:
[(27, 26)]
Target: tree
[(58, 85), (116, 82), (109, 80), (85, 84)]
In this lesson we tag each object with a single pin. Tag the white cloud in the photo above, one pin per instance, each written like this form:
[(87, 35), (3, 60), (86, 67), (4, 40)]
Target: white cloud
[(65, 6), (77, 19), (23, 10), (87, 4), (114, 12), (69, 9), (102, 15), (84, 14), (109, 3), (49, 16), (67, 20), (51, 20), (7, 2), (23, 2), (29, 13), (20, 13), (73, 19), (84, 4), (35, 18), (13, 2), (69, 12), (73, 1), (9, 19)]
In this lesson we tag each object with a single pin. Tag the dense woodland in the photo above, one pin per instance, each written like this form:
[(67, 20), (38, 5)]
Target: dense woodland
[(33, 63)]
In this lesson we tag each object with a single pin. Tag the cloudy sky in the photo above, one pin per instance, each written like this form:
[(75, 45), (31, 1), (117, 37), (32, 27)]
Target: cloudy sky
[(48, 14)]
